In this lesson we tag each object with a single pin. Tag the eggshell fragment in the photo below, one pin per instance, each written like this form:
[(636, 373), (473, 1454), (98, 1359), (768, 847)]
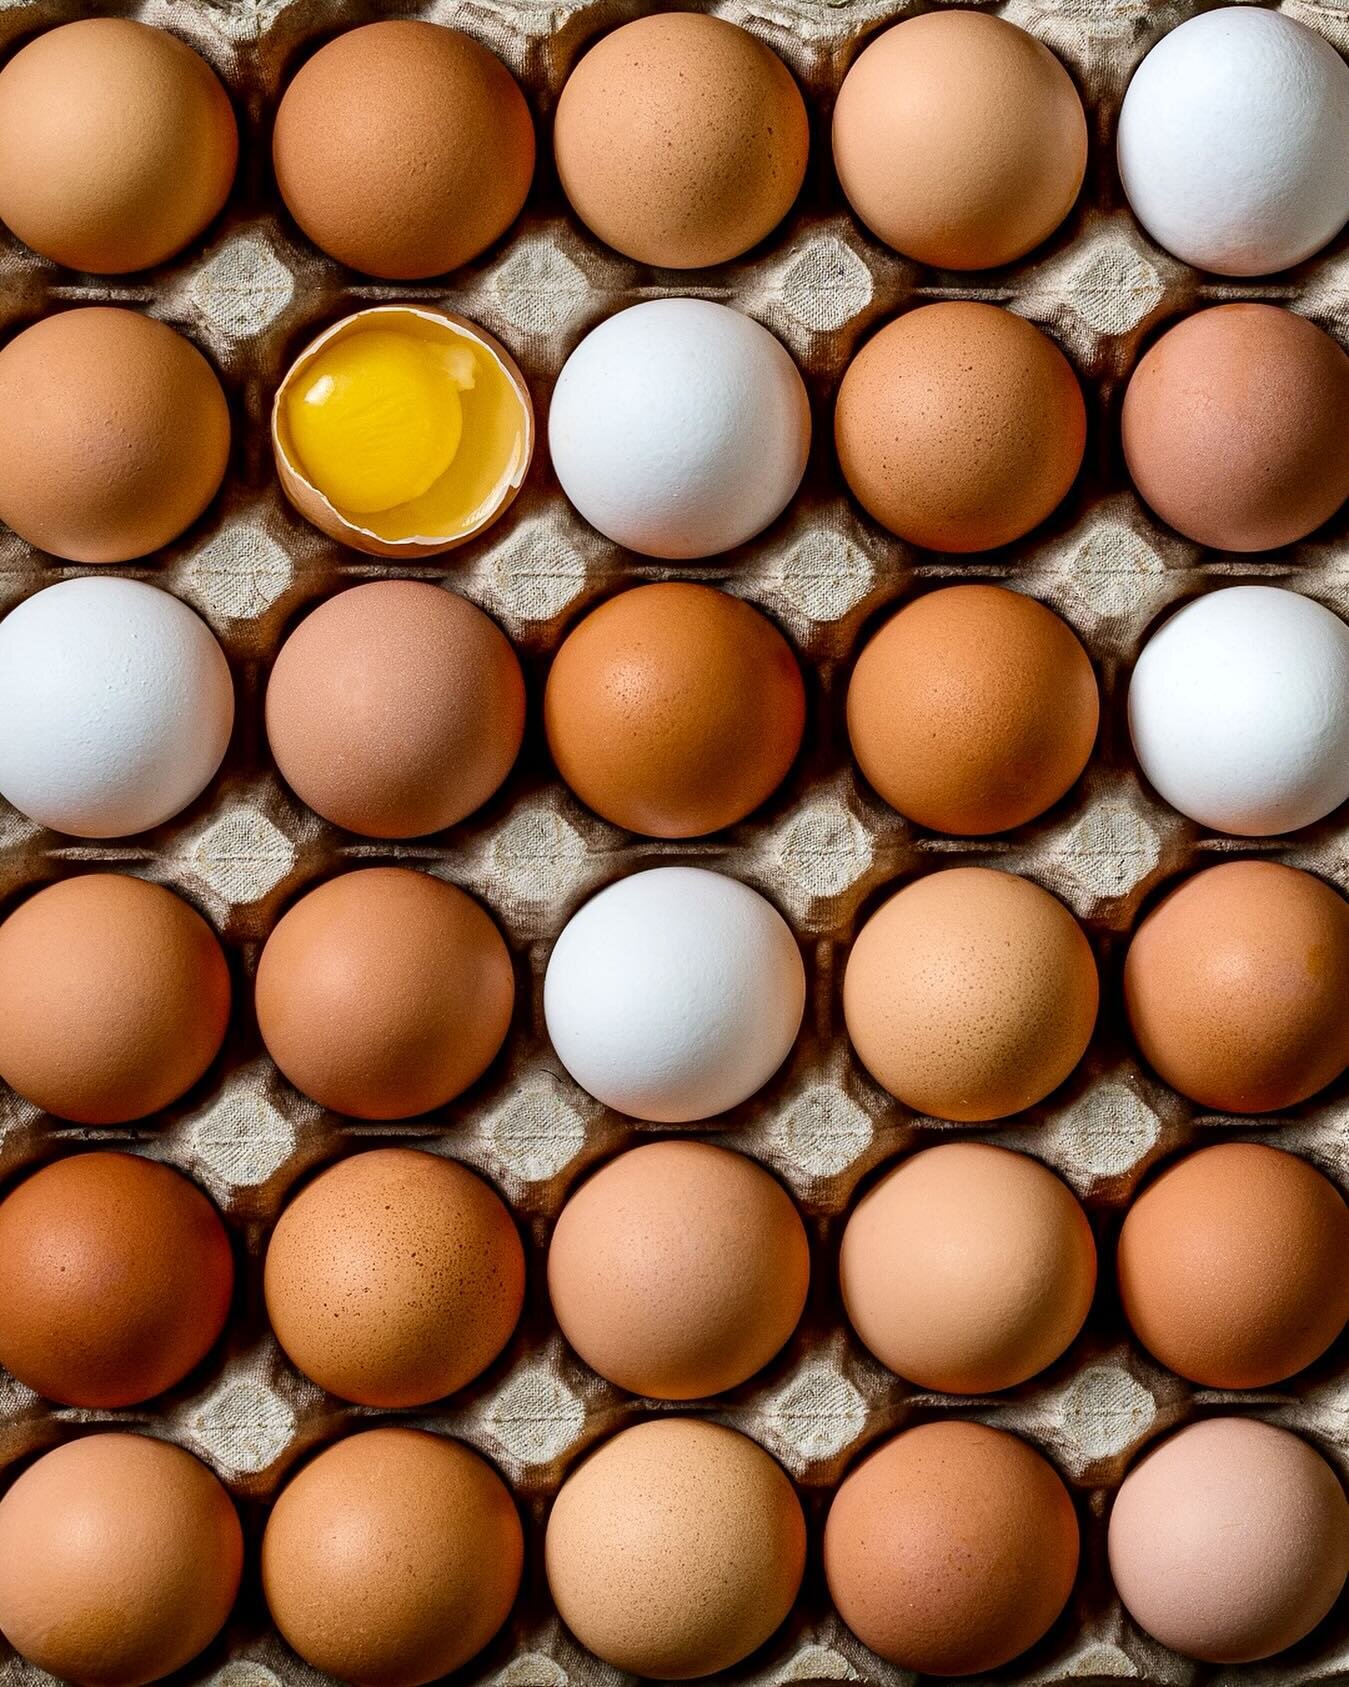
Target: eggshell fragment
[(952, 1549), (392, 1558), (120, 1558), (675, 1549)]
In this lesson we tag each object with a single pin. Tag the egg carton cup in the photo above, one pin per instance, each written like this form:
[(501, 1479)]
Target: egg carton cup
[(825, 850)]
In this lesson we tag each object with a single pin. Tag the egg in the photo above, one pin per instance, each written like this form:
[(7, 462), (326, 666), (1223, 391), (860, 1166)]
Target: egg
[(120, 1558), (1236, 427), (960, 426), (678, 1270), (973, 710), (395, 709), (403, 148), (967, 1268), (1232, 140), (971, 994), (116, 707), (1232, 1265), (679, 428), (117, 145), (1230, 1541), (384, 993), (951, 1549), (114, 998), (115, 1279), (394, 1278), (1239, 710), (675, 1549), (674, 709), (681, 140), (392, 1498), (1237, 986), (402, 431), (674, 994), (959, 139), (114, 434)]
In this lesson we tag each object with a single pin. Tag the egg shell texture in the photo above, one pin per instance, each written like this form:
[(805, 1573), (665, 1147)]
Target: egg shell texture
[(674, 709), (384, 993), (960, 426), (394, 1278), (1230, 1541), (120, 1558), (1237, 986), (951, 1549), (675, 1549), (114, 998), (392, 1558)]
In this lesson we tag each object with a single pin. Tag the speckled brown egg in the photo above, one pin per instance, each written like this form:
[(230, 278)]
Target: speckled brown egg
[(681, 140), (679, 1269), (951, 1549), (960, 426), (968, 1268), (1237, 986), (1233, 1265), (674, 709), (676, 1549), (1230, 1541), (115, 1279), (114, 998), (114, 434), (403, 148), (392, 1558), (117, 144), (120, 1558), (973, 710), (395, 709), (971, 994), (394, 1278), (1236, 427), (959, 139), (384, 993)]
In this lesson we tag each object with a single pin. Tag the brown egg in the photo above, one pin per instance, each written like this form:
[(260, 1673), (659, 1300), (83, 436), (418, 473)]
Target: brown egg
[(676, 1549), (971, 994), (973, 710), (392, 1558), (952, 1549), (959, 139), (679, 1269), (117, 145), (674, 709), (1232, 1265), (114, 998), (114, 434), (403, 148), (395, 709), (115, 1279), (119, 1560), (968, 1268), (394, 1278), (681, 140), (960, 426), (1230, 1541), (384, 993), (1236, 427), (1237, 986)]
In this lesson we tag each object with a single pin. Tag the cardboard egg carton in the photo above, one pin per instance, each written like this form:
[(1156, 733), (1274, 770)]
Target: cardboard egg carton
[(824, 849)]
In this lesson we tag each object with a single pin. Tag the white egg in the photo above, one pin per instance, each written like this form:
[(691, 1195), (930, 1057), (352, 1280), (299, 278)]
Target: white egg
[(679, 428), (116, 706), (1234, 141), (1239, 710), (674, 994)]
